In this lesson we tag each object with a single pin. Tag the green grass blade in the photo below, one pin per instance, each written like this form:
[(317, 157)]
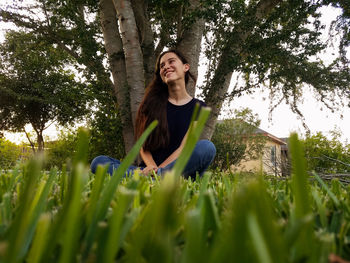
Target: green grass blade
[(97, 187), (203, 188), (40, 238), (39, 208), (109, 191), (194, 133), (320, 208), (210, 214), (299, 178), (326, 188), (18, 230), (194, 245), (64, 229), (63, 182), (114, 236), (73, 223), (303, 245), (81, 154), (258, 240)]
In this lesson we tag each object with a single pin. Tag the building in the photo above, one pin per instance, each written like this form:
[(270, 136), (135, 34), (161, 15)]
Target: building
[(272, 161)]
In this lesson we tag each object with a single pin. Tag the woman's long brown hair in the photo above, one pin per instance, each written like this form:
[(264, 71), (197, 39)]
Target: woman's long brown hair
[(154, 107)]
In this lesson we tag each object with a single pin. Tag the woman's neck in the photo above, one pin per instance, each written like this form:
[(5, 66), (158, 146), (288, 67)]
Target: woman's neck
[(178, 95)]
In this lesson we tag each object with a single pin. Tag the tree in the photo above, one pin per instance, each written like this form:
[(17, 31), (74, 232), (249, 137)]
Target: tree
[(327, 155), (106, 135), (9, 154), (61, 151), (74, 28), (236, 139), (270, 43), (35, 87)]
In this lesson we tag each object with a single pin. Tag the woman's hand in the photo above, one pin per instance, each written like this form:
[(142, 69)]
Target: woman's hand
[(149, 169)]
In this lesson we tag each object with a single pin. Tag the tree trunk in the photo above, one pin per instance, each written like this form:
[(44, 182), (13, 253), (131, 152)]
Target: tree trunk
[(221, 80), (40, 141), (114, 49), (145, 36), (32, 145), (216, 96), (189, 43), (133, 54)]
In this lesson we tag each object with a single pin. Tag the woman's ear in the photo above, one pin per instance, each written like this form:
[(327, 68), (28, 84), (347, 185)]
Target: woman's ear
[(187, 67)]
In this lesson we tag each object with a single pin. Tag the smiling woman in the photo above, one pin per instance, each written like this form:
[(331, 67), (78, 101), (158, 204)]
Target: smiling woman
[(167, 101), (173, 69)]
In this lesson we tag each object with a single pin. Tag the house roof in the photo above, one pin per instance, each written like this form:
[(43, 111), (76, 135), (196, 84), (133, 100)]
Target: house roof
[(270, 136), (280, 141)]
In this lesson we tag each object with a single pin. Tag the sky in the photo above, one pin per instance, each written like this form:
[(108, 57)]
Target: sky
[(282, 122)]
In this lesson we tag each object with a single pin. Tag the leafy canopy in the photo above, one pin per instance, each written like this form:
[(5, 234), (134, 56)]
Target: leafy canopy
[(36, 85), (326, 155)]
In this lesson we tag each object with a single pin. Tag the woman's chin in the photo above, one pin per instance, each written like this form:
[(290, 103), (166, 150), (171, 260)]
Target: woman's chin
[(171, 80)]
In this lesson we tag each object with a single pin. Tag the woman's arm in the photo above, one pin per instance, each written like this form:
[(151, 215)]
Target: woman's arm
[(147, 158), (172, 157), (149, 161)]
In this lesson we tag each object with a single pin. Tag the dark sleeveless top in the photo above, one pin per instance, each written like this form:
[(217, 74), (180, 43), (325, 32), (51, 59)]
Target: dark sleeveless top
[(179, 118)]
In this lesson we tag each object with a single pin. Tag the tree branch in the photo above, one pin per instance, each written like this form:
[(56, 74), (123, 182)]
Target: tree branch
[(222, 77), (30, 141)]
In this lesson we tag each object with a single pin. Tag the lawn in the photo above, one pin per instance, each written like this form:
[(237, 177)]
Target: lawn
[(75, 216)]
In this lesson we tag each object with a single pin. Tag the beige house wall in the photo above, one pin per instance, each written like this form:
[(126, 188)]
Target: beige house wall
[(265, 163)]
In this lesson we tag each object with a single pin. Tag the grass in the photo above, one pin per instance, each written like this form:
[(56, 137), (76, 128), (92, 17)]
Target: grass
[(74, 216)]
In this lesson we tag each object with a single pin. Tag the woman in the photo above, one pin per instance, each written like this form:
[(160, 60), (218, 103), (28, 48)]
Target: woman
[(167, 101)]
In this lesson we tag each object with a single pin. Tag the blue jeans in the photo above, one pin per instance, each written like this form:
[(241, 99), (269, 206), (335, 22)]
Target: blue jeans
[(202, 156)]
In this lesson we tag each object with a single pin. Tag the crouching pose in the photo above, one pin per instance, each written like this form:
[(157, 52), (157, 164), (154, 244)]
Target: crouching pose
[(167, 101)]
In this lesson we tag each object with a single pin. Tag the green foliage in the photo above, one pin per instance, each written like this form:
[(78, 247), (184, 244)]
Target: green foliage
[(65, 216), (35, 86), (106, 134), (236, 139), (9, 154), (327, 155), (104, 140), (275, 50), (60, 151), (341, 26), (72, 30)]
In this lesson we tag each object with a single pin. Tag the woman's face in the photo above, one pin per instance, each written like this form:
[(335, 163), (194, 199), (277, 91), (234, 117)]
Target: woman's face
[(171, 68)]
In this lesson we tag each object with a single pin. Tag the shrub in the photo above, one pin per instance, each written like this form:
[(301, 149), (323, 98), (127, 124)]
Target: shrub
[(10, 153), (235, 139), (327, 155), (106, 136), (61, 151)]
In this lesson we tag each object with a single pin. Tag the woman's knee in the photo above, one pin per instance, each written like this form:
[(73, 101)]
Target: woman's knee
[(99, 160), (204, 153), (206, 149)]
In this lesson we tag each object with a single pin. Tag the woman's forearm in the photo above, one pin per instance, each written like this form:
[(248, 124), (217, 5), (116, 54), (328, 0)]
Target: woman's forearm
[(147, 158), (172, 157)]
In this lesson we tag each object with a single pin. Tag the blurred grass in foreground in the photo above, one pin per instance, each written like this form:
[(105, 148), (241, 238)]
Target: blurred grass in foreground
[(75, 216)]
